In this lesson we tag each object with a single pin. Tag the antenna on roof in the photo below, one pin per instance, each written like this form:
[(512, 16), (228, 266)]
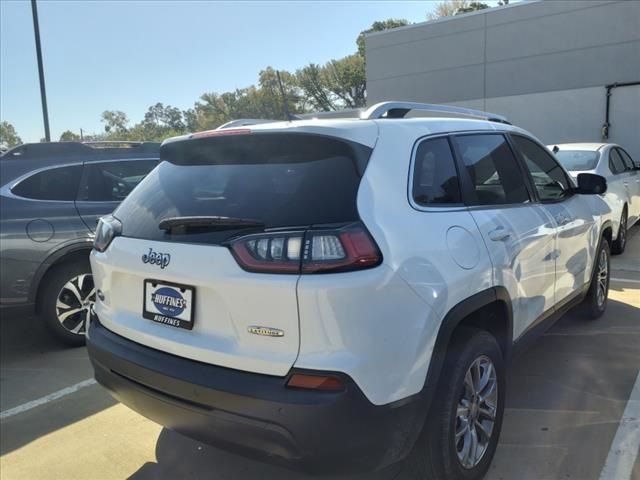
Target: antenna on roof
[(285, 103)]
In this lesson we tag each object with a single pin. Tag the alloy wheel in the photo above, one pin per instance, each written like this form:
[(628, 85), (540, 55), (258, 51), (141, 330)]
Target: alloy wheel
[(603, 278), (74, 303), (476, 412)]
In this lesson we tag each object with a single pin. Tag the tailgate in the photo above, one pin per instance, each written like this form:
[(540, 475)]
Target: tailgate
[(227, 303)]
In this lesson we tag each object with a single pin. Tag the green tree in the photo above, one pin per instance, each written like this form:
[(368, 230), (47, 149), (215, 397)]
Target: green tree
[(69, 136), (115, 121), (8, 135), (449, 8), (160, 117), (379, 27), (472, 7), (341, 83)]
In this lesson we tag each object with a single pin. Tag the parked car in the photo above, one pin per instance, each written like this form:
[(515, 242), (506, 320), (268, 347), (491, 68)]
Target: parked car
[(338, 295), (51, 196), (623, 181)]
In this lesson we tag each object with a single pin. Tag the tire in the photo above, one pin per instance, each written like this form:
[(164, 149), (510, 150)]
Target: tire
[(437, 454), (618, 246), (67, 296), (597, 296)]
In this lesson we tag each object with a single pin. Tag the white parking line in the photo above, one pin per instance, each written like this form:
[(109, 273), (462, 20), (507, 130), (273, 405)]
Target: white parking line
[(46, 399), (626, 444), (626, 280)]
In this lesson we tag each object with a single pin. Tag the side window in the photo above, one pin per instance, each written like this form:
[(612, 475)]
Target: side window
[(616, 165), (435, 180), (550, 180), (628, 158), (493, 170), (112, 181), (60, 183), (628, 163)]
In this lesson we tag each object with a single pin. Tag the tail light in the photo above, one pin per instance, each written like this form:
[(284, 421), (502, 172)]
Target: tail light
[(312, 251), (108, 228)]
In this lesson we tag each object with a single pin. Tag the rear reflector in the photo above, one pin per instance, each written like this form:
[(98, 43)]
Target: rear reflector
[(316, 382)]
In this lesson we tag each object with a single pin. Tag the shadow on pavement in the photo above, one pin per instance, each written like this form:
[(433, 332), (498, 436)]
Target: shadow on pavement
[(181, 457), (33, 365)]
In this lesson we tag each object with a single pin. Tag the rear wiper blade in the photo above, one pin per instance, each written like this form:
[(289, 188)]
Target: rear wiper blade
[(209, 222)]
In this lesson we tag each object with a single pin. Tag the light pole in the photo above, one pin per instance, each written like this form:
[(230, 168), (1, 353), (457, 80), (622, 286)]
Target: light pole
[(43, 92)]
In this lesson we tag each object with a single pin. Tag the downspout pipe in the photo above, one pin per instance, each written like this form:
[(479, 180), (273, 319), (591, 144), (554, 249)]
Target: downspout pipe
[(607, 125)]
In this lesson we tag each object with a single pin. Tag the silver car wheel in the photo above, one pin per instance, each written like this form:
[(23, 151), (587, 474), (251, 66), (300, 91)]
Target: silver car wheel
[(476, 414), (74, 302), (603, 278)]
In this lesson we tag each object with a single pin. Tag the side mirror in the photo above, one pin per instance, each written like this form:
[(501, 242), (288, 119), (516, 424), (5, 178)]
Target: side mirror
[(591, 184)]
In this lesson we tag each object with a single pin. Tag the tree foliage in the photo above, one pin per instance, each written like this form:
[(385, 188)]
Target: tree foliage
[(336, 85), (8, 135), (69, 136), (114, 121), (379, 27), (449, 8), (472, 7)]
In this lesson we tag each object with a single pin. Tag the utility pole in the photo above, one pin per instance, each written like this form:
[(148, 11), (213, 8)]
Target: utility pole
[(43, 92), (81, 136)]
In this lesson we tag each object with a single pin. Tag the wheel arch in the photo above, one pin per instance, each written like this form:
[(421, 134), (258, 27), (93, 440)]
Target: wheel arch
[(489, 310), (75, 251)]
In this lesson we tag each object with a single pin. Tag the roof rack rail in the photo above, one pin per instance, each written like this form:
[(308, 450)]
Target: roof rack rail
[(243, 122), (97, 143), (85, 149), (400, 109)]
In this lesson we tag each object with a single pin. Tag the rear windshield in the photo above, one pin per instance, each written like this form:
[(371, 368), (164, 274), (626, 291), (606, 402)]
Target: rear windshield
[(280, 180), (578, 160)]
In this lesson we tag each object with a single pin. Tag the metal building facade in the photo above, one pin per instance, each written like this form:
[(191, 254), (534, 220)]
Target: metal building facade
[(543, 64)]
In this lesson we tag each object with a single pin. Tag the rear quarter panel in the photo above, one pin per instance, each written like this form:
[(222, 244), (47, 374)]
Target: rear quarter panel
[(379, 326), (31, 232)]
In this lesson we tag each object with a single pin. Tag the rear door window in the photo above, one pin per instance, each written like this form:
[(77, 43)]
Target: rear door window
[(112, 181), (549, 178), (435, 180), (281, 180), (626, 159), (59, 183), (495, 176), (616, 164)]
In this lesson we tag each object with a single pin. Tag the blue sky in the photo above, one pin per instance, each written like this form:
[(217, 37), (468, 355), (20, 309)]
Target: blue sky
[(125, 55)]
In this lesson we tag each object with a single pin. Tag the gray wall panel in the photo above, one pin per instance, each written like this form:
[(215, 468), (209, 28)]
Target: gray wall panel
[(588, 27), (413, 33), (560, 71), (442, 86), (426, 55), (520, 11)]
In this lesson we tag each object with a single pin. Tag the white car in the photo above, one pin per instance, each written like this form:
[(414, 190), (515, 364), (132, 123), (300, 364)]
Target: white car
[(339, 295), (623, 181)]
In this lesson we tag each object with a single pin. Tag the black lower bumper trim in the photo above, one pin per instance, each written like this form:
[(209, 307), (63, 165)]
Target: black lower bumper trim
[(252, 414)]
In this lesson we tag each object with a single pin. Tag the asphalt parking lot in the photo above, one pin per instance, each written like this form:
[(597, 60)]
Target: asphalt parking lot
[(568, 415)]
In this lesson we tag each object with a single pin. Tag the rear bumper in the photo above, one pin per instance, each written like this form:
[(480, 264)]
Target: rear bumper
[(252, 414)]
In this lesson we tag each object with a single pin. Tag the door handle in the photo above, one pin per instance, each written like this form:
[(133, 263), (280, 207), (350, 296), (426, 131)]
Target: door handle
[(562, 220), (499, 234)]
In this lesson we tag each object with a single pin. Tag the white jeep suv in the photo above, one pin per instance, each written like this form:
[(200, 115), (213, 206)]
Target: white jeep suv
[(337, 295)]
